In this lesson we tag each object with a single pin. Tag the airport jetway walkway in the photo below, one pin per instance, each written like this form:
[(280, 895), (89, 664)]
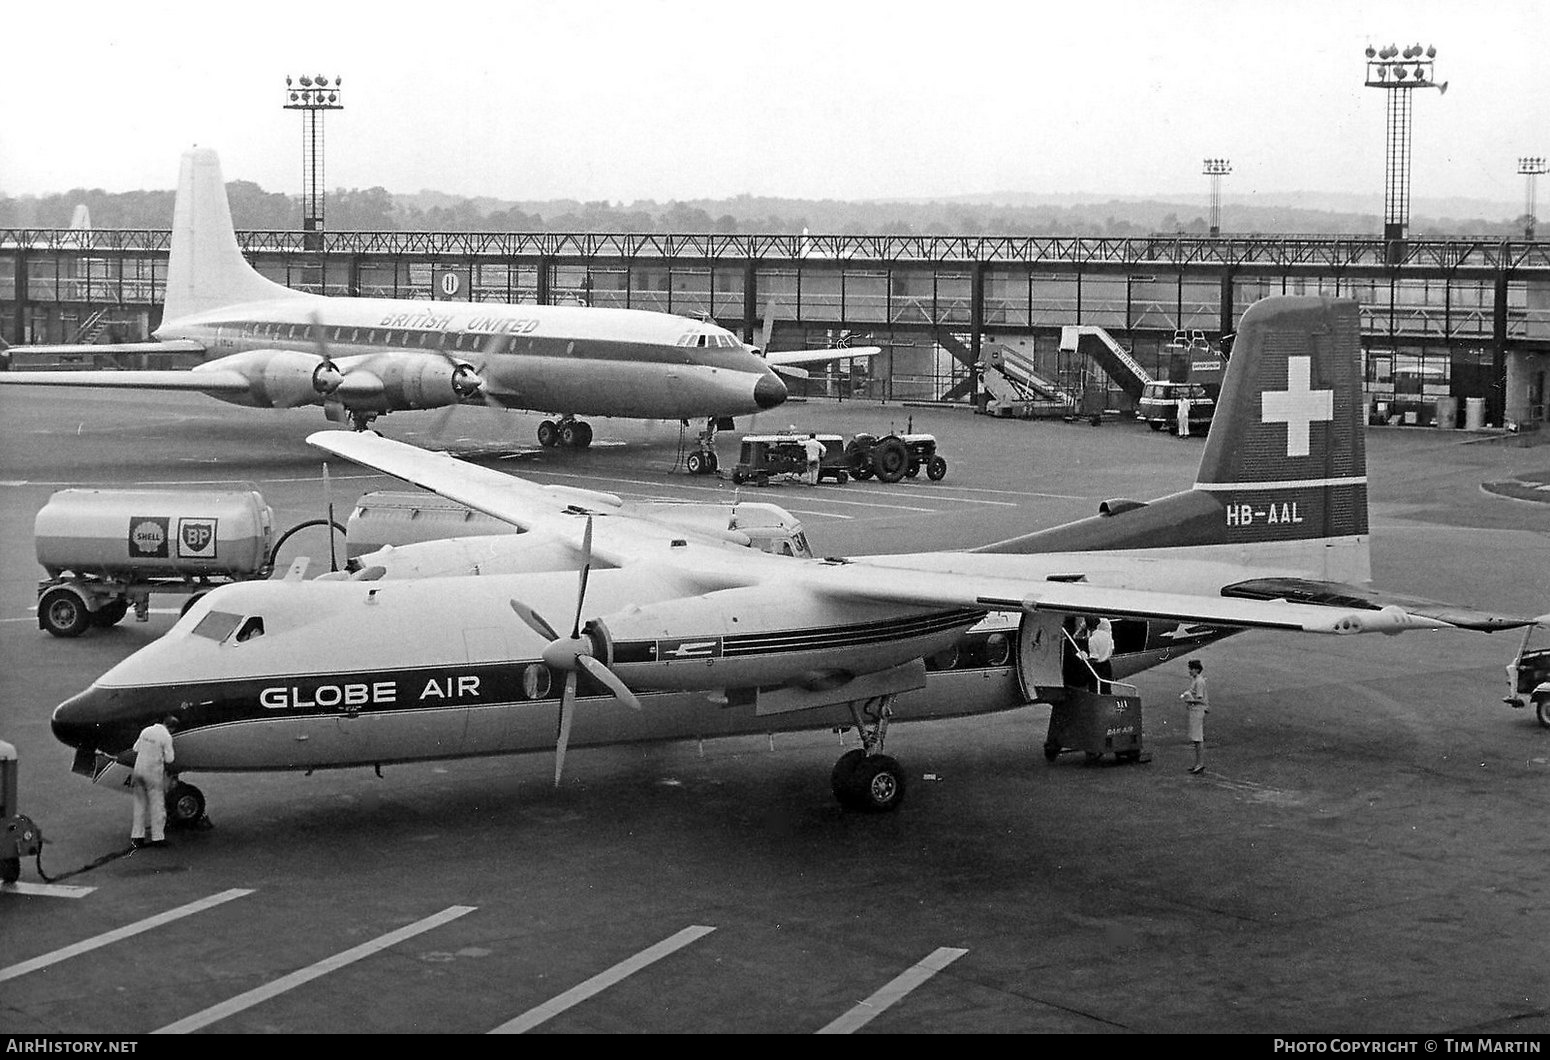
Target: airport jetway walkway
[(1098, 344)]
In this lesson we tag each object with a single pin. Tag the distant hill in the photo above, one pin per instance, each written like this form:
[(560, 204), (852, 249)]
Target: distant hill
[(1004, 213)]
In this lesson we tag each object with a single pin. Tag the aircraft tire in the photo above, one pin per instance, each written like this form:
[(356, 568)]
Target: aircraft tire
[(110, 614), (583, 435), (842, 779), (64, 613), (936, 469), (548, 434), (878, 784), (185, 805), (569, 435), (1542, 711), (890, 459), (695, 464)]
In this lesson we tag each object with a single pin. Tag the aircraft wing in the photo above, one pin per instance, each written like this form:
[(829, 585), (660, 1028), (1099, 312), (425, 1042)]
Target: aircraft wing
[(621, 537), (207, 381), (787, 358), (1337, 594), (861, 580), (71, 349)]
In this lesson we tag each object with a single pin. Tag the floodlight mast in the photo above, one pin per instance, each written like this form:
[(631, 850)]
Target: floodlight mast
[(313, 95), (1216, 169), (1531, 167), (1399, 72)]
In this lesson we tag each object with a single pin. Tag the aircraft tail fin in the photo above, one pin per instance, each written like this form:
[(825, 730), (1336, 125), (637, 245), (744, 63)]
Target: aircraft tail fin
[(1283, 479), (205, 267)]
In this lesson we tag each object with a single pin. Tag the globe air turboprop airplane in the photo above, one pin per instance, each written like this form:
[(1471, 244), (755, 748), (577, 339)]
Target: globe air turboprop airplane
[(676, 633), (273, 347)]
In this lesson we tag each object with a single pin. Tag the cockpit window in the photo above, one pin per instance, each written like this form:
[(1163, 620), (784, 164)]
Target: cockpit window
[(252, 627), (217, 625)]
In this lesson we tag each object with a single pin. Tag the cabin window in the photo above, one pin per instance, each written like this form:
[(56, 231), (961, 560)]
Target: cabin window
[(252, 627), (536, 681)]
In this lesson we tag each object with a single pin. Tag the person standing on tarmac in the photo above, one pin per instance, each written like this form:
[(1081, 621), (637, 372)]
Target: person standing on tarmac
[(814, 450), (1100, 652), (1198, 703), (148, 785), (1183, 410)]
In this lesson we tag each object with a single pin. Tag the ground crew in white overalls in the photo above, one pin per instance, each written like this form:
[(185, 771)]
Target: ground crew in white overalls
[(148, 785), (814, 449)]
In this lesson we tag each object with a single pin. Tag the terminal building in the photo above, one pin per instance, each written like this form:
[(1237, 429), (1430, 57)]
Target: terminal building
[(1455, 332)]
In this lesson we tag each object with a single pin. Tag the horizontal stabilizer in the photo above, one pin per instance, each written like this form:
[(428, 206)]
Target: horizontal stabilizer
[(1335, 594)]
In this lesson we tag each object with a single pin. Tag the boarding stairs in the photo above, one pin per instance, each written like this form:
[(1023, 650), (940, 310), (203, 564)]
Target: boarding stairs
[(1096, 343), (1014, 386), (91, 328)]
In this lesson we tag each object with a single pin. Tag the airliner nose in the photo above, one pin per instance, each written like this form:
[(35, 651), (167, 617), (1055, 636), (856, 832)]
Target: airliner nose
[(88, 721), (769, 391)]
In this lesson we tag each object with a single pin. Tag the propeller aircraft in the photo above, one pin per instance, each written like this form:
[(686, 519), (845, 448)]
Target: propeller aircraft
[(681, 632), (359, 358)]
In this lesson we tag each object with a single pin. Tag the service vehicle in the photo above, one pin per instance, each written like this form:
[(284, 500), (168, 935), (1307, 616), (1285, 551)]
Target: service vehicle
[(894, 456), (1159, 406), (1528, 678), (765, 456), (108, 550)]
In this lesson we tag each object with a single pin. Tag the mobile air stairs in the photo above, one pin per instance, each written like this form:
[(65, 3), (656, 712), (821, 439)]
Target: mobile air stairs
[(1014, 387), (1096, 343)]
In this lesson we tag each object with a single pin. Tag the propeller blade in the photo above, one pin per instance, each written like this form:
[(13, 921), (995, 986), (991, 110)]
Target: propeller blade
[(567, 707), (610, 679), (535, 621), (581, 590), (317, 337)]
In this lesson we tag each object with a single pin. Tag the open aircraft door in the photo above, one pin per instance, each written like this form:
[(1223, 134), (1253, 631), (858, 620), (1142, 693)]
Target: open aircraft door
[(1038, 653)]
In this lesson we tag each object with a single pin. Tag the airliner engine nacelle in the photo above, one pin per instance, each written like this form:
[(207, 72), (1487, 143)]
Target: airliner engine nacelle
[(282, 379), (425, 381), (763, 636)]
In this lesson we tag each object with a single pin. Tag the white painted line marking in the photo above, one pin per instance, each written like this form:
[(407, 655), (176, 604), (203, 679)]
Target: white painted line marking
[(602, 981), (121, 933), (866, 1011), (47, 890), (311, 972)]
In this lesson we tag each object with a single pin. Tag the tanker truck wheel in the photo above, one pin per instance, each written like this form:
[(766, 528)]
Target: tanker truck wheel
[(110, 613), (63, 613)]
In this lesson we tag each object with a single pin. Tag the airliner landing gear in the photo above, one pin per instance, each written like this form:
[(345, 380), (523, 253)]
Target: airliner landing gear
[(703, 460), (185, 805), (569, 432), (865, 778)]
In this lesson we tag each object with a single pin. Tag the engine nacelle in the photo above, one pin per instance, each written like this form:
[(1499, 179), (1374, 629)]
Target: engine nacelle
[(279, 379), (423, 381), (766, 636)]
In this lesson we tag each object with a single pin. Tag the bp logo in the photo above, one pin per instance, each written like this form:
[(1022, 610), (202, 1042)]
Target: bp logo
[(148, 537), (196, 538)]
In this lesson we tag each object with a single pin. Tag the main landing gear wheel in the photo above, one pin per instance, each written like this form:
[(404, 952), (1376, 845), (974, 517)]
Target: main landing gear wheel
[(703, 463), (64, 613), (870, 783), (548, 434), (185, 805), (575, 434)]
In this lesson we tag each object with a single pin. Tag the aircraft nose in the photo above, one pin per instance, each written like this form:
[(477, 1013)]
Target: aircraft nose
[(769, 391), (89, 721)]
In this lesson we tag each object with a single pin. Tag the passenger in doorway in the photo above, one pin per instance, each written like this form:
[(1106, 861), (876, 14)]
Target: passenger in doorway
[(148, 785), (1100, 653), (814, 450), (1198, 704), (1183, 411)]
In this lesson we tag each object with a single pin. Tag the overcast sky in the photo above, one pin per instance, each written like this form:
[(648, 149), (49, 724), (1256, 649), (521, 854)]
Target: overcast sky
[(680, 99)]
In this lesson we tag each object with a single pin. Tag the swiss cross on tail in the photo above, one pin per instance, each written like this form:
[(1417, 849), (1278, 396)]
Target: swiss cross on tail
[(1298, 406)]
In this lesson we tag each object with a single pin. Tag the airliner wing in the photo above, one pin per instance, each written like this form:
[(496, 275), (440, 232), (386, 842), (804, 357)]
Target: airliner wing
[(212, 381), (862, 580), (74, 349), (1303, 590), (785, 358), (620, 536)]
